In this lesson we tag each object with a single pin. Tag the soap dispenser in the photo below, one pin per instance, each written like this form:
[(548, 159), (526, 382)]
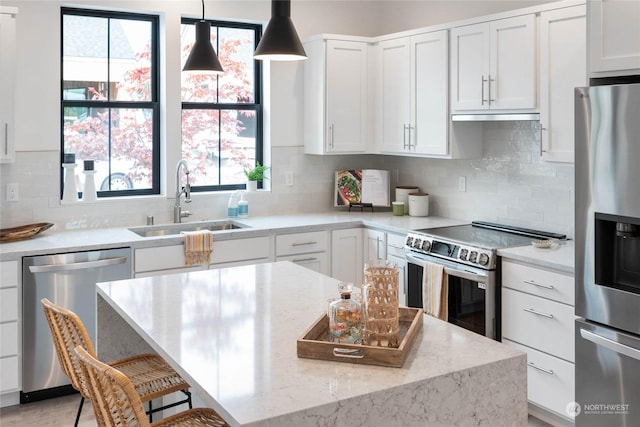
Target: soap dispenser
[(232, 206), (243, 207)]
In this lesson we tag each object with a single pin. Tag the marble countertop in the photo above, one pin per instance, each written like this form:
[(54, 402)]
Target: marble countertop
[(232, 334), (51, 242), (560, 257)]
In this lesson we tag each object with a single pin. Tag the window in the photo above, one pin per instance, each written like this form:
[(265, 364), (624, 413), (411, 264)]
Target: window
[(222, 115), (110, 110)]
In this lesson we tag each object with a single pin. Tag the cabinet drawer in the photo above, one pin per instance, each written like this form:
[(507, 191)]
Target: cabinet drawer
[(160, 258), (9, 304), (8, 274), (240, 250), (550, 381), (315, 261), (9, 374), (8, 339), (539, 323), (395, 245), (548, 284), (301, 243)]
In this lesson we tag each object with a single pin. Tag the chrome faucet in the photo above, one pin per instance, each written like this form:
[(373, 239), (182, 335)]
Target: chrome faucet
[(178, 214)]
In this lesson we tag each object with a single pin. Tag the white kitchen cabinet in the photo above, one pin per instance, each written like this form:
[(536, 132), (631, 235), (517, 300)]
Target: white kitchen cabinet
[(171, 259), (335, 96), (493, 65), (395, 253), (538, 317), (346, 255), (7, 83), (413, 102), (563, 66), (614, 37), (375, 245), (306, 249), (9, 332)]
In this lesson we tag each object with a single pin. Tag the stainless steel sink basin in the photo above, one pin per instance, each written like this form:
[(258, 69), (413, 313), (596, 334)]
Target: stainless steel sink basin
[(170, 229)]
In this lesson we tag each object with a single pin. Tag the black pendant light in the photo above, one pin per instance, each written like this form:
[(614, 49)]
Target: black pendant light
[(280, 41), (203, 58)]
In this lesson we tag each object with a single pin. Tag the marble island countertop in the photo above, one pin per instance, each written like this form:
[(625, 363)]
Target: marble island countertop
[(232, 334)]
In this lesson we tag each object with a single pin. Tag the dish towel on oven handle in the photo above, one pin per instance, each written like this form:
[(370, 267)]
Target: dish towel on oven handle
[(198, 246), (435, 291)]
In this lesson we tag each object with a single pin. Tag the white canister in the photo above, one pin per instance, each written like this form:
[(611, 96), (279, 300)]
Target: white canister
[(402, 195), (418, 204)]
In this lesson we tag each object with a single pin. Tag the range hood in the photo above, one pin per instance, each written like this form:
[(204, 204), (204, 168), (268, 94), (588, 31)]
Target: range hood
[(504, 117)]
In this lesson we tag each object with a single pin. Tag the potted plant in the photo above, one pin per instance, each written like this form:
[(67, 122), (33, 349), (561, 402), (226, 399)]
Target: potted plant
[(254, 175)]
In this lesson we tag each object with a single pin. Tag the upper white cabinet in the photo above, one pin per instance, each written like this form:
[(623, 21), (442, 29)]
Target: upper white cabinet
[(7, 82), (413, 99), (493, 65), (563, 66), (335, 115), (614, 37)]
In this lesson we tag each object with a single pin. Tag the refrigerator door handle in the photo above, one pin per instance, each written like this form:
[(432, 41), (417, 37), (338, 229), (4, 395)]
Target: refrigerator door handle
[(610, 344)]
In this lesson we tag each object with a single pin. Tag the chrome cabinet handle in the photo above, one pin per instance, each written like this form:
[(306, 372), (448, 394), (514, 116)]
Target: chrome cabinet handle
[(540, 285), (483, 80), (6, 139), (491, 80), (305, 259), (409, 127), (531, 310), (52, 268), (610, 344), (396, 246), (534, 366), (404, 136), (303, 244), (542, 129), (331, 136)]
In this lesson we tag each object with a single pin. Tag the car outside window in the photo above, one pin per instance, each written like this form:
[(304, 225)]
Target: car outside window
[(222, 115), (110, 110)]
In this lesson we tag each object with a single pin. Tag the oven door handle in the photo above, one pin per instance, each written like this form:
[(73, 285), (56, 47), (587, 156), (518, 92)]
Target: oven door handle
[(465, 275)]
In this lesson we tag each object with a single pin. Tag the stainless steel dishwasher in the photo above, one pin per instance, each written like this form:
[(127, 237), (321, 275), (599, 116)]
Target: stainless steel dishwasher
[(68, 280)]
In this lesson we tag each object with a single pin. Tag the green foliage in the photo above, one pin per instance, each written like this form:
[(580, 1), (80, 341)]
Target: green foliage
[(257, 173)]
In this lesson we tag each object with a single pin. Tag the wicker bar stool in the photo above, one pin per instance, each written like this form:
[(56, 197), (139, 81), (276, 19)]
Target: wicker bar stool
[(150, 374), (117, 404)]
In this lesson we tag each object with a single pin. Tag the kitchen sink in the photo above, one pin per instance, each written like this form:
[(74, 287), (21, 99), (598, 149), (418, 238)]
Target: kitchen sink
[(170, 229)]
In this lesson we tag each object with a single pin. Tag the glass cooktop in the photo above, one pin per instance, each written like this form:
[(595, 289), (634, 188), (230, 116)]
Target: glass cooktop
[(489, 236)]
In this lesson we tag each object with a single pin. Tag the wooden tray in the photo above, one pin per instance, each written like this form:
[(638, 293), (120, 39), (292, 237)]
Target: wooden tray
[(315, 344), (23, 232)]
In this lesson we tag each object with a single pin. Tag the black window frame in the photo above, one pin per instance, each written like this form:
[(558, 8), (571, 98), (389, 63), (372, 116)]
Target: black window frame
[(153, 104), (256, 106)]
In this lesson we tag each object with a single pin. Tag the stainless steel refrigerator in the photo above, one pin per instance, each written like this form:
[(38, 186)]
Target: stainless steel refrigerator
[(607, 271)]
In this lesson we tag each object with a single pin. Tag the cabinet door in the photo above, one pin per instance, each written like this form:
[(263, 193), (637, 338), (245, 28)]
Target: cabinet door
[(346, 255), (346, 95), (7, 70), (512, 75), (563, 66), (614, 37), (394, 99), (429, 94), (375, 245), (470, 67)]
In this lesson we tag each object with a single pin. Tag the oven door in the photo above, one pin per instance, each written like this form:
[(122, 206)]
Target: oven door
[(472, 295)]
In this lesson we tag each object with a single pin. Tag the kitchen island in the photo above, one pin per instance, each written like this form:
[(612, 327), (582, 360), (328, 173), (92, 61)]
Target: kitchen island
[(232, 334)]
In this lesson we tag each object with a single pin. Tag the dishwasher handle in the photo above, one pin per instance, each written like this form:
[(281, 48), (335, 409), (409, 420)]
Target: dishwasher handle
[(54, 268)]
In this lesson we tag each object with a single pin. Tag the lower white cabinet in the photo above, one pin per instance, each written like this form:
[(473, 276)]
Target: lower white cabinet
[(9, 332), (171, 259), (538, 317), (305, 249), (395, 253), (375, 245), (346, 255)]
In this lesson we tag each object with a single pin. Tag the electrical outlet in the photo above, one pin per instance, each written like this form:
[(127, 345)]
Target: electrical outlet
[(462, 183), (12, 192), (288, 178)]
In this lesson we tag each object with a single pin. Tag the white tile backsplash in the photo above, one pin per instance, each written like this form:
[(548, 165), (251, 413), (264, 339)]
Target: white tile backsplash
[(510, 184)]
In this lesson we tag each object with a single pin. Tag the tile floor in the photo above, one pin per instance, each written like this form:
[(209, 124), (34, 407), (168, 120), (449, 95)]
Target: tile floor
[(61, 411)]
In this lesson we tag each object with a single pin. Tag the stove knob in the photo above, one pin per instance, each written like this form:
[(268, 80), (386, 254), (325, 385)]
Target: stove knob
[(483, 259), (473, 256), (417, 243), (463, 254), (426, 246), (409, 241)]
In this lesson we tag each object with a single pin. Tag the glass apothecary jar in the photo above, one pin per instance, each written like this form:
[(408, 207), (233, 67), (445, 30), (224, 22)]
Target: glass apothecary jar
[(345, 321)]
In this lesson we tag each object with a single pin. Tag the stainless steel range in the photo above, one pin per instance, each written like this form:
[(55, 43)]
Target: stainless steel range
[(468, 254)]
